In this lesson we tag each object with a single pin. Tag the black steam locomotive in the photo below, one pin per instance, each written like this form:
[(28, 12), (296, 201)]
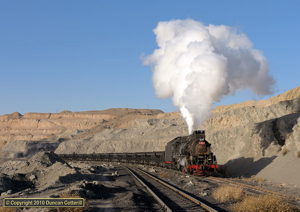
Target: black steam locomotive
[(191, 154)]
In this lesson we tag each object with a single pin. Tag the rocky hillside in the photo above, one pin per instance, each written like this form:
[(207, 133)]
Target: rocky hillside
[(261, 139), (251, 138), (257, 128), (37, 126), (24, 135)]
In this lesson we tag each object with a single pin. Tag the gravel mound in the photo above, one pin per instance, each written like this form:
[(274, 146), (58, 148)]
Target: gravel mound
[(41, 161), (46, 169)]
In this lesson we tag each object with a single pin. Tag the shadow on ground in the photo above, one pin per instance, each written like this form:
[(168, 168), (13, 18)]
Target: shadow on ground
[(246, 167)]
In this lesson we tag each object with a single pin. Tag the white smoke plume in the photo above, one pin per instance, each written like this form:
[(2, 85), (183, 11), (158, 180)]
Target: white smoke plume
[(197, 65)]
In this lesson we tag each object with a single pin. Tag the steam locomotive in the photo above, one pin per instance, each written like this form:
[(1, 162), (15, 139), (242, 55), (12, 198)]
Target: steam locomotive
[(191, 154)]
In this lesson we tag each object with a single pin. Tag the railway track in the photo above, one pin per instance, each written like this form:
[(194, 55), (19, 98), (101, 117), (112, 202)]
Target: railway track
[(253, 190), (167, 195)]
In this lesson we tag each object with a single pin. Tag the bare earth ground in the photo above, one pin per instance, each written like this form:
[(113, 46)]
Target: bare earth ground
[(203, 187), (107, 188)]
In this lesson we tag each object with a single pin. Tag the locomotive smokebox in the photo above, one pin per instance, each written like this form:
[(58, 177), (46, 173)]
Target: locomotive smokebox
[(199, 145)]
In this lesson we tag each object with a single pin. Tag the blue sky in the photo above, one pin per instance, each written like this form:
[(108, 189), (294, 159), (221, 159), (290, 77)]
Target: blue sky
[(84, 55)]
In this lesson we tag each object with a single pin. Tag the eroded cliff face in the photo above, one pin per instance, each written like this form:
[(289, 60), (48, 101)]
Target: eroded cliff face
[(261, 140), (25, 135), (38, 126), (139, 134), (252, 131), (289, 95)]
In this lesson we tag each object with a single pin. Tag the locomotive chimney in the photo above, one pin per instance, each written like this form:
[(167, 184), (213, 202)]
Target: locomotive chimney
[(198, 135)]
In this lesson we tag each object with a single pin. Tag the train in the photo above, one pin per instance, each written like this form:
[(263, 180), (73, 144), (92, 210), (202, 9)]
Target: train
[(191, 154)]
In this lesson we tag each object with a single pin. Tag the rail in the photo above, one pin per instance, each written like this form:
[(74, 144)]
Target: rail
[(181, 193), (149, 190)]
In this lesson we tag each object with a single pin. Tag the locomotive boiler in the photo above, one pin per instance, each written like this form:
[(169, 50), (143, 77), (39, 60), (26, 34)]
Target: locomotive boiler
[(191, 154)]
